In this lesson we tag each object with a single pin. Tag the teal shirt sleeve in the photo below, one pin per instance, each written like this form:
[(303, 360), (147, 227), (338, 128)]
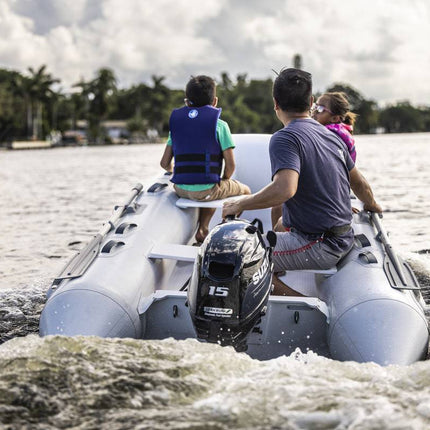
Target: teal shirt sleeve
[(223, 135)]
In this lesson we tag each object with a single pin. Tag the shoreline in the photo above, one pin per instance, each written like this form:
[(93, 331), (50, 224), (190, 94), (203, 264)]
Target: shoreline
[(24, 145)]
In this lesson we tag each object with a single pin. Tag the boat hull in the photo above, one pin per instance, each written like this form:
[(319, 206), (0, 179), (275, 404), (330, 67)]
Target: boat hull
[(123, 288)]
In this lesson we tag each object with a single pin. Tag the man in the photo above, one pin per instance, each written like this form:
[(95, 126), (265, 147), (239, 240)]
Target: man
[(312, 173)]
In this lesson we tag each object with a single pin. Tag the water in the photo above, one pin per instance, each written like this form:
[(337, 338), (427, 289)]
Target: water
[(55, 200)]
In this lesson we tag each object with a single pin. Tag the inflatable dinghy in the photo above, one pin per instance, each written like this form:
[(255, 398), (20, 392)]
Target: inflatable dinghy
[(134, 279)]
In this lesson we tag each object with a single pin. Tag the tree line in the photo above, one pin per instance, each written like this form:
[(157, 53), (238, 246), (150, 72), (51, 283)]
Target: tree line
[(33, 104)]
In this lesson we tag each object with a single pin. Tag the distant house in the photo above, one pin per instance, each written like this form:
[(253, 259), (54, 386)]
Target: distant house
[(72, 138), (117, 131), (76, 136)]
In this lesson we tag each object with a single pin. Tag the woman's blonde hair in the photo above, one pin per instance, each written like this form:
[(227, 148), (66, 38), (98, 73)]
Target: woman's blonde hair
[(339, 105)]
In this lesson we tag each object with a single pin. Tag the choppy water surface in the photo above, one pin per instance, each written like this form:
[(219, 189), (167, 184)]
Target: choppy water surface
[(100, 383), (55, 200)]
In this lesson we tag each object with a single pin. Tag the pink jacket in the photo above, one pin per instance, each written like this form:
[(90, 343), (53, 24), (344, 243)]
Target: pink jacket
[(344, 132)]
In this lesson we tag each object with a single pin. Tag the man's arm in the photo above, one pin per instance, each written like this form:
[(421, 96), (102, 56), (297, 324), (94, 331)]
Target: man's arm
[(229, 163), (363, 191), (166, 159), (282, 188)]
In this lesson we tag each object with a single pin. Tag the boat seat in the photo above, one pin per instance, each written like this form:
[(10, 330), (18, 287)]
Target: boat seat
[(173, 251), (187, 203), (330, 271)]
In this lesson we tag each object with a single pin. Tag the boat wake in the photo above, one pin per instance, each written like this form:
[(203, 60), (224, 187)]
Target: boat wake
[(92, 382), (89, 382), (420, 264), (20, 310)]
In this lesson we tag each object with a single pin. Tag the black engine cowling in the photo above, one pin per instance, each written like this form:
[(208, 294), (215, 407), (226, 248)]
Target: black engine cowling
[(231, 283)]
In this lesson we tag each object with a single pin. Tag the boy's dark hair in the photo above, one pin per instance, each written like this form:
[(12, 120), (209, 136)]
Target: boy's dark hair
[(292, 90), (200, 90)]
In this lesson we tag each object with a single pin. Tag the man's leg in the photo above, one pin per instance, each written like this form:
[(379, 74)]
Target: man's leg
[(281, 289), (294, 251)]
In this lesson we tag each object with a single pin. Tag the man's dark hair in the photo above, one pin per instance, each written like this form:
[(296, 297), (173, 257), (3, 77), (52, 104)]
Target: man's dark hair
[(200, 90), (292, 90)]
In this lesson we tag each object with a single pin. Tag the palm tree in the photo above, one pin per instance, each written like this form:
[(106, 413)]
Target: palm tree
[(36, 91), (99, 90), (159, 108), (102, 87), (41, 93), (80, 102), (21, 86)]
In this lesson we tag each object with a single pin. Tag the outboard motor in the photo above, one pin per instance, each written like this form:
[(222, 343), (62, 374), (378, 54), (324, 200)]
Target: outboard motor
[(231, 283)]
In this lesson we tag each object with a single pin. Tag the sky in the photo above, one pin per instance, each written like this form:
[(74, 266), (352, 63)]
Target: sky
[(380, 47)]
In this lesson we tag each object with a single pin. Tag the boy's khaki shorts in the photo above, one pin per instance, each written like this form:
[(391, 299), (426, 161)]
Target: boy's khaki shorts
[(226, 188)]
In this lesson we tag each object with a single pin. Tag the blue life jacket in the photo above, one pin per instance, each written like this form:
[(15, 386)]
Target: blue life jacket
[(196, 150)]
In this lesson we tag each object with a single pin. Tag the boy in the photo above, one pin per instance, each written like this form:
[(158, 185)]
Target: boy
[(199, 142)]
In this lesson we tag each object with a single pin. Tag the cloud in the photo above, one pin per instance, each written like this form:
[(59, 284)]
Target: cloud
[(380, 48), (136, 38), (48, 14), (366, 43)]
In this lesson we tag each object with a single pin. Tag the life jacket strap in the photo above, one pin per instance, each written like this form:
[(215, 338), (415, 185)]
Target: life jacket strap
[(196, 169), (197, 157)]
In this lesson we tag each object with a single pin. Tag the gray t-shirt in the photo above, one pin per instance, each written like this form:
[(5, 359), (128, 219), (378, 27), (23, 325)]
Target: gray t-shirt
[(321, 159)]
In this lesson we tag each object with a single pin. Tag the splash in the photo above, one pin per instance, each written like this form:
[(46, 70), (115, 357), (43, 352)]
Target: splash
[(89, 382), (20, 310)]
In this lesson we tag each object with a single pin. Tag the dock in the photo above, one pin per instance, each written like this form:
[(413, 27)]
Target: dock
[(30, 144)]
